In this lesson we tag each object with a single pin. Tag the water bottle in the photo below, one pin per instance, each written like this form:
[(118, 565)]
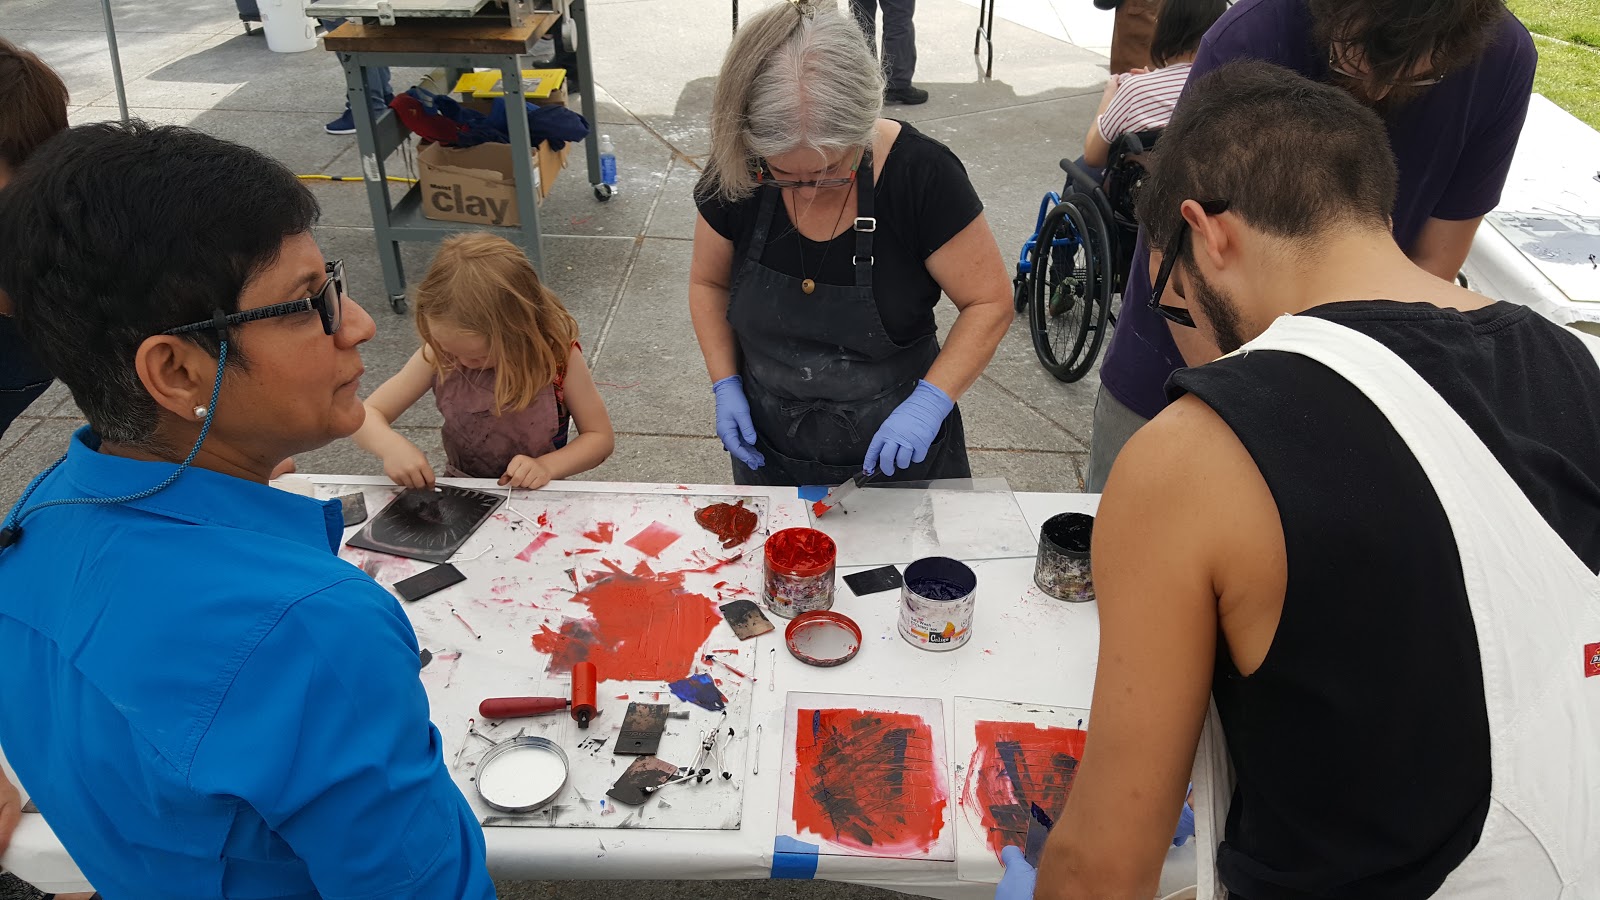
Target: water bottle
[(608, 162)]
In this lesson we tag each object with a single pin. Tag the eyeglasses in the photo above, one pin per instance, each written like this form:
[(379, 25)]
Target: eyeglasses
[(1338, 67), (327, 301), (764, 176), (1170, 258)]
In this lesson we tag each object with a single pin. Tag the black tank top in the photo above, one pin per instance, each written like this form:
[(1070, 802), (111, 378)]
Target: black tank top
[(1361, 744)]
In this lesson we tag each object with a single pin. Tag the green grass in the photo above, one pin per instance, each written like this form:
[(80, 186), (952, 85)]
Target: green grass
[(1568, 74), (1575, 21)]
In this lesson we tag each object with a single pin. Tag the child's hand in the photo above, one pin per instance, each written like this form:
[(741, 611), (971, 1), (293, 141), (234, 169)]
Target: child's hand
[(525, 473), (406, 465)]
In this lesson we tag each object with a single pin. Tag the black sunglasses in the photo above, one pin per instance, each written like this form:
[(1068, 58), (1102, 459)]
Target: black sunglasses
[(327, 301), (1177, 313)]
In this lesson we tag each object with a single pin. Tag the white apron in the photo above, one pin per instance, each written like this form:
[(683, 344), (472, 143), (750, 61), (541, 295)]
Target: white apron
[(1535, 607)]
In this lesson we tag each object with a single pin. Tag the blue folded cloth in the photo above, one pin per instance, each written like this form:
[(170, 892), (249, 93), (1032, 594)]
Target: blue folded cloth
[(555, 124)]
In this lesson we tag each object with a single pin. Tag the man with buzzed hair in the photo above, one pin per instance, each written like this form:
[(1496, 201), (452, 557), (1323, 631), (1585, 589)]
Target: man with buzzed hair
[(1365, 540)]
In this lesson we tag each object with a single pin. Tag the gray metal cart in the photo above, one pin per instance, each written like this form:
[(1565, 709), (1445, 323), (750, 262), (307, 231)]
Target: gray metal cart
[(454, 35)]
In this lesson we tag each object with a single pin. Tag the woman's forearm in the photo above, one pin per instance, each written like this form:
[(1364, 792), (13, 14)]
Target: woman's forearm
[(973, 340), (708, 309)]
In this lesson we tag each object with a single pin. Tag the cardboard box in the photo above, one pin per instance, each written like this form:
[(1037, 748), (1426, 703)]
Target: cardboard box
[(476, 184)]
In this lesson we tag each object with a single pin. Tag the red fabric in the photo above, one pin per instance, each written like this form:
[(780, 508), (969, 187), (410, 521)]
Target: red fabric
[(429, 125)]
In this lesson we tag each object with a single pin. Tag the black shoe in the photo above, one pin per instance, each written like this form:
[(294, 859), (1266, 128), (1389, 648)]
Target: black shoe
[(908, 96)]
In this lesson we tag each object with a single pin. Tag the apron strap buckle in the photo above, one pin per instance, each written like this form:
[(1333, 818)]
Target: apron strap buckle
[(866, 223), (856, 260)]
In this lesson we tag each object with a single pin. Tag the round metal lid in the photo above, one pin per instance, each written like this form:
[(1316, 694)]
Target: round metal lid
[(522, 774), (823, 638)]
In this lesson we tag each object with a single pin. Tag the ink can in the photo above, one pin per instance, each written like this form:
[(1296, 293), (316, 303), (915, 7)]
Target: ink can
[(800, 569), (1062, 567), (936, 603)]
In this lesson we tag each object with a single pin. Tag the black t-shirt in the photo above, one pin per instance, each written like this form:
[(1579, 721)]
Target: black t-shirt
[(922, 198), (1361, 744)]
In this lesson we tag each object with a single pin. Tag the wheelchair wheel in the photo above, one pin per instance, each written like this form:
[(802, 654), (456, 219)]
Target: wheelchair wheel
[(1065, 292), (1097, 322)]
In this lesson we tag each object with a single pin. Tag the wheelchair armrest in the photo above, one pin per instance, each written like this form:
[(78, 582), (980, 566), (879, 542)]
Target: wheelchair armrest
[(1078, 177)]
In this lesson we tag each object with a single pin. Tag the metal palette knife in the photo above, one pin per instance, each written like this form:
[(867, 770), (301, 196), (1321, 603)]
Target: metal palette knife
[(826, 504)]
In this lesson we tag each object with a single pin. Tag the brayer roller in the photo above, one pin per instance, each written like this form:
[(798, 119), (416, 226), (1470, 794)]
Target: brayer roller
[(582, 701)]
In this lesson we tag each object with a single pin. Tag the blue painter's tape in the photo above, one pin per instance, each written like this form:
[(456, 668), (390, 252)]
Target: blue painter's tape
[(793, 859), (814, 492)]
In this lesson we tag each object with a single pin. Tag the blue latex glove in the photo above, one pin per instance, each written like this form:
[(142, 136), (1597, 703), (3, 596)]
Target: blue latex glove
[(1185, 826), (1017, 884), (906, 435), (738, 433)]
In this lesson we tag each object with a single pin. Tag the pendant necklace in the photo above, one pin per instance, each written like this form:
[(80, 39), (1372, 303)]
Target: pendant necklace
[(807, 285)]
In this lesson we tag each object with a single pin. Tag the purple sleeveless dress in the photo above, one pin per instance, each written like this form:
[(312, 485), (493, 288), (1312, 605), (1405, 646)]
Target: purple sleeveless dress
[(480, 444)]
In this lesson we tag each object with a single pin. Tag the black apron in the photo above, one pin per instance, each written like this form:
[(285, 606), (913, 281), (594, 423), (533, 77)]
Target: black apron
[(820, 370)]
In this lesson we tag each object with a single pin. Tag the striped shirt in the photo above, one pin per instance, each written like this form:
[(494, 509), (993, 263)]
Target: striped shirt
[(1143, 102)]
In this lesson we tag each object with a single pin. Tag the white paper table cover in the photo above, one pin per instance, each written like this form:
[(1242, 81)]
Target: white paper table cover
[(1025, 647)]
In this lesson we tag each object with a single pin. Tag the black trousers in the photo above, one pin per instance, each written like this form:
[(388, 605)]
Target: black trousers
[(899, 35)]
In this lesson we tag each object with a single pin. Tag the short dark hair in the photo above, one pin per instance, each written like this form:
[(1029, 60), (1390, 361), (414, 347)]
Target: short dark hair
[(1395, 35), (1180, 25), (35, 102), (1292, 157), (113, 233)]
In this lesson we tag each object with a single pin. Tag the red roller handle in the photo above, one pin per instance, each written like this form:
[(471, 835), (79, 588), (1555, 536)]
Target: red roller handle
[(584, 678), (517, 707)]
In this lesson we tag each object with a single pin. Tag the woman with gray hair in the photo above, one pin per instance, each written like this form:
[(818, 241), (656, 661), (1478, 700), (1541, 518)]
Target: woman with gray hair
[(817, 325)]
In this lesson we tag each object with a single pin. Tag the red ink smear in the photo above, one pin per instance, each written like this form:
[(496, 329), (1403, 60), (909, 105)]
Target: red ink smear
[(643, 569), (583, 551), (1015, 765), (622, 696), (602, 533), (528, 551), (867, 780), (544, 520), (803, 550), (655, 538), (731, 523), (717, 566), (640, 629), (818, 508)]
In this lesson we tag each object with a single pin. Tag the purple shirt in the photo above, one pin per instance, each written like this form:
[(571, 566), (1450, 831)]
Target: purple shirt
[(1453, 146)]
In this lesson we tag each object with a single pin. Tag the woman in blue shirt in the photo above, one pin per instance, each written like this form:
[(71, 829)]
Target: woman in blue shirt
[(202, 699)]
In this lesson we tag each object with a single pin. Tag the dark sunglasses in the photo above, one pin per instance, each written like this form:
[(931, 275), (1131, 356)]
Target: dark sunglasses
[(764, 176), (327, 301), (1168, 259)]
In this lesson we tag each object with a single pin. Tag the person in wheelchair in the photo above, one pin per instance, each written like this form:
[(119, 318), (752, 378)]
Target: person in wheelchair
[(1142, 100)]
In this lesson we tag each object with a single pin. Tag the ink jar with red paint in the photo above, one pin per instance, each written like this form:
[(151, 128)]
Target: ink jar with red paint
[(800, 570)]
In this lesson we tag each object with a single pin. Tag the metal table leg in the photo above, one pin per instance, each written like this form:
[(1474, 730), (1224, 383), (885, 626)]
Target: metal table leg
[(522, 163), (116, 59), (985, 35), (374, 173), (591, 147)]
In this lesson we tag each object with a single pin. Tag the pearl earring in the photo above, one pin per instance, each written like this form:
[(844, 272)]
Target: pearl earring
[(200, 412)]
